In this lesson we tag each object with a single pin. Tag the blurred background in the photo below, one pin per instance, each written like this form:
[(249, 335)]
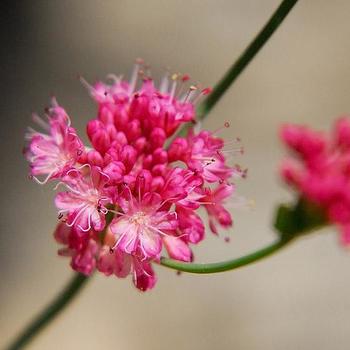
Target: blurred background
[(297, 299)]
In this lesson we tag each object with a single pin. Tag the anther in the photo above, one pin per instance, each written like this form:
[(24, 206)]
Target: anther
[(206, 91), (139, 61), (185, 77), (111, 250), (60, 216)]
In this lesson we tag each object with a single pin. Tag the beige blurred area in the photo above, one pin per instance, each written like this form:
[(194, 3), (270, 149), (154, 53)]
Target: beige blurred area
[(297, 299)]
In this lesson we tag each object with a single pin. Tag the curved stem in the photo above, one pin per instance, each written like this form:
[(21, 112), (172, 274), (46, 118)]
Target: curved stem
[(243, 60), (228, 264), (49, 313)]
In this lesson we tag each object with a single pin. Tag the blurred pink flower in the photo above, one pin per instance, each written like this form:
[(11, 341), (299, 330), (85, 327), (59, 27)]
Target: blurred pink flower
[(321, 172)]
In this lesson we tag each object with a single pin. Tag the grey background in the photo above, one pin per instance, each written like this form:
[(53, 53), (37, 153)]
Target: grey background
[(298, 299)]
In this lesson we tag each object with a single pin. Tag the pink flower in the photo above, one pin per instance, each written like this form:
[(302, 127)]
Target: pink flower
[(214, 200), (81, 248), (143, 224), (84, 201), (122, 264), (135, 191), (190, 224), (117, 262), (204, 154), (52, 155), (322, 168)]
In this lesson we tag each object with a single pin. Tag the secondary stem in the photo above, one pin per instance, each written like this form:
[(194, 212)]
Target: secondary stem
[(243, 60), (49, 313), (228, 264)]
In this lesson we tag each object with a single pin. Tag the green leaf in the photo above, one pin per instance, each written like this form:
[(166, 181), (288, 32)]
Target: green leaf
[(298, 219)]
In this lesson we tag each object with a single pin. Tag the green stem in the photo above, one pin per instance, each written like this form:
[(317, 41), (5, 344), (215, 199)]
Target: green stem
[(244, 59), (228, 264), (49, 313)]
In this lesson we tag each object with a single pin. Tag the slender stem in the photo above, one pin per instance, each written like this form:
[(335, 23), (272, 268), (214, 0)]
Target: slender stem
[(245, 58), (49, 313), (228, 264)]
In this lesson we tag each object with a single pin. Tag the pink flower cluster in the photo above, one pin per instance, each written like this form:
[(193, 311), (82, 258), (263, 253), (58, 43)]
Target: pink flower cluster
[(322, 174), (136, 191)]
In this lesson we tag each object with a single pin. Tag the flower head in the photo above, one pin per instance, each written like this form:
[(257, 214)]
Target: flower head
[(130, 197)]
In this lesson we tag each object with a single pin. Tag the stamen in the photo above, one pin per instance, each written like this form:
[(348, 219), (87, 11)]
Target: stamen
[(89, 87), (164, 84), (148, 70), (115, 79), (189, 174), (189, 94), (40, 122), (118, 213), (118, 241), (126, 187), (128, 244), (235, 151), (54, 102), (89, 224), (84, 207), (226, 125), (165, 201), (183, 80), (173, 86), (141, 178), (45, 180), (203, 93), (158, 230), (145, 272), (134, 75), (235, 141)]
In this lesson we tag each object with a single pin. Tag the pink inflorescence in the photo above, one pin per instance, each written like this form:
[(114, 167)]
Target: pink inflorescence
[(137, 190), (322, 172)]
